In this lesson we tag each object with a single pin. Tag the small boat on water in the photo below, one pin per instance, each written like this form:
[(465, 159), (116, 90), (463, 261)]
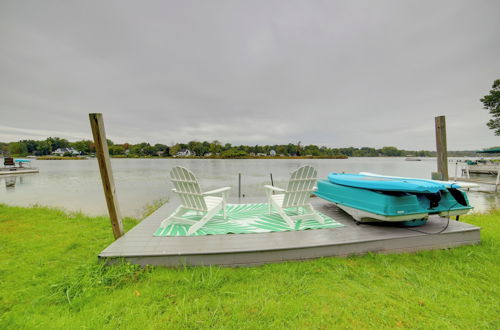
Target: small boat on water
[(413, 159), (372, 198)]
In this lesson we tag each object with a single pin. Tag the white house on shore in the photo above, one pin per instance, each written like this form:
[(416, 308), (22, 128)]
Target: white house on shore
[(184, 153), (62, 151)]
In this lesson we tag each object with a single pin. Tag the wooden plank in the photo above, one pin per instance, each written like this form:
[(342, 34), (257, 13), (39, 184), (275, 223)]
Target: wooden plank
[(239, 259), (18, 171), (441, 148), (108, 183)]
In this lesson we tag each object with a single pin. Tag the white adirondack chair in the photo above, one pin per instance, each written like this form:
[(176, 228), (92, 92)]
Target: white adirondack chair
[(295, 196), (192, 198)]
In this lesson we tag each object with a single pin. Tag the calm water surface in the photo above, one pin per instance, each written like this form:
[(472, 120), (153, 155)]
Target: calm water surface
[(76, 185)]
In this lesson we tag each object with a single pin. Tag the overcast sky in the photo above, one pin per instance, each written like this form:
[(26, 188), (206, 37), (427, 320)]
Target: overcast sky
[(334, 73)]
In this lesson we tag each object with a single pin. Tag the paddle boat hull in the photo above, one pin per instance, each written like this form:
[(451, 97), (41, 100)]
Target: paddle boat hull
[(412, 208)]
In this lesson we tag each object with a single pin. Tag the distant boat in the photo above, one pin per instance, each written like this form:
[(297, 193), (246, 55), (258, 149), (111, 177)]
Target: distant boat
[(413, 159), (369, 198)]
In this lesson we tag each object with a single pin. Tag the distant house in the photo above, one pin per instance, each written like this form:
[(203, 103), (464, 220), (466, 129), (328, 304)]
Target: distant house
[(272, 153), (260, 154), (62, 151), (184, 153)]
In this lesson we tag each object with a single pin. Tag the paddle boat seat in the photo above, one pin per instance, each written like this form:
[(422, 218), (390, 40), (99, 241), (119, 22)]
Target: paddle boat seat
[(8, 161)]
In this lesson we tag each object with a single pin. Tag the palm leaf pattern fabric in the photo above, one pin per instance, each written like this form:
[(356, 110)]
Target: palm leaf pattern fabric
[(245, 219)]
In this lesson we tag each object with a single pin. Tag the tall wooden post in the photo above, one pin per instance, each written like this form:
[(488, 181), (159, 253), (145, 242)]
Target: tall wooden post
[(441, 148), (108, 183)]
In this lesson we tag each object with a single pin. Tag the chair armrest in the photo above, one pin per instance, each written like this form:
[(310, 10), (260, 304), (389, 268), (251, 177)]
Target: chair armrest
[(274, 188), (216, 191)]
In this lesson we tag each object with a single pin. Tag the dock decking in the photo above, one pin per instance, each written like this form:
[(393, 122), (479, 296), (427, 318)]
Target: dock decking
[(18, 170), (140, 247)]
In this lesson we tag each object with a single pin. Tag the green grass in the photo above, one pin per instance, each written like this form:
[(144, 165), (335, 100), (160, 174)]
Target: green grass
[(50, 278)]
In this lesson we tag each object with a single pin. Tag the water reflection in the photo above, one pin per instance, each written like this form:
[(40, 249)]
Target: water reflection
[(76, 185), (10, 182)]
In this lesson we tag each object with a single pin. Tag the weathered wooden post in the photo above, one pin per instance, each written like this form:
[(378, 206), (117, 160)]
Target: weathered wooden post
[(239, 185), (108, 183), (442, 151)]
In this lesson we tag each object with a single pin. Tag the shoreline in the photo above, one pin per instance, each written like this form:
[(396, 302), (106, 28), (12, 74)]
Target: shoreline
[(153, 157)]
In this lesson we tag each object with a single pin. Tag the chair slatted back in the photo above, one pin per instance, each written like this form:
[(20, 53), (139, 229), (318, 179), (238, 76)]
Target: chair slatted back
[(188, 189), (300, 186)]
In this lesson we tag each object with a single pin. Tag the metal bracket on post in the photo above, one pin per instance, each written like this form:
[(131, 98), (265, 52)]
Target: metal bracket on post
[(108, 183)]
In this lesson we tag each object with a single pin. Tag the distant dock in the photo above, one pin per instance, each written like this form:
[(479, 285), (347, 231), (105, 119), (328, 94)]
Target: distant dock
[(13, 166), (489, 171)]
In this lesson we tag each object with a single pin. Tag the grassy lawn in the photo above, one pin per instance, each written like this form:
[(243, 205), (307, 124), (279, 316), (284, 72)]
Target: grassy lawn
[(50, 278)]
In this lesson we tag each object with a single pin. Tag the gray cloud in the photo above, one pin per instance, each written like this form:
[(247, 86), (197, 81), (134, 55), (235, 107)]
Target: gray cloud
[(336, 73)]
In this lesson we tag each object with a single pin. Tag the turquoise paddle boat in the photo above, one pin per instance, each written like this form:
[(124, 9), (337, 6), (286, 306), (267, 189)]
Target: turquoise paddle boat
[(371, 198)]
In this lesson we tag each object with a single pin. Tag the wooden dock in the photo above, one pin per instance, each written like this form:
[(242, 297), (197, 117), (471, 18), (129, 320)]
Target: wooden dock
[(17, 170), (481, 169), (139, 246)]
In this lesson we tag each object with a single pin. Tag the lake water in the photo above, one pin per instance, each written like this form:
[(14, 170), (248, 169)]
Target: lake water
[(76, 185)]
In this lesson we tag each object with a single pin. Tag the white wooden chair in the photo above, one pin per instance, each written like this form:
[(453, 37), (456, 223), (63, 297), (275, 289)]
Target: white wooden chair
[(296, 196), (208, 203)]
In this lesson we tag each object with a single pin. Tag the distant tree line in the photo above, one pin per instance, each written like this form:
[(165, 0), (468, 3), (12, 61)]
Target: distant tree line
[(208, 149)]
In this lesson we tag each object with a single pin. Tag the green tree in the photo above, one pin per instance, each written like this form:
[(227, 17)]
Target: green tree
[(83, 146), (197, 147), (140, 149), (149, 151), (233, 153), (56, 143), (4, 148), (391, 152), (31, 145), (116, 150), (215, 147), (161, 149), (175, 149), (43, 148), (18, 148), (491, 102)]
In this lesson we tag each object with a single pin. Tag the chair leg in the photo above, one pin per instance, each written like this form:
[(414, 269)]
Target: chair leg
[(317, 217), (269, 200), (194, 228), (178, 212), (285, 216), (288, 220)]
